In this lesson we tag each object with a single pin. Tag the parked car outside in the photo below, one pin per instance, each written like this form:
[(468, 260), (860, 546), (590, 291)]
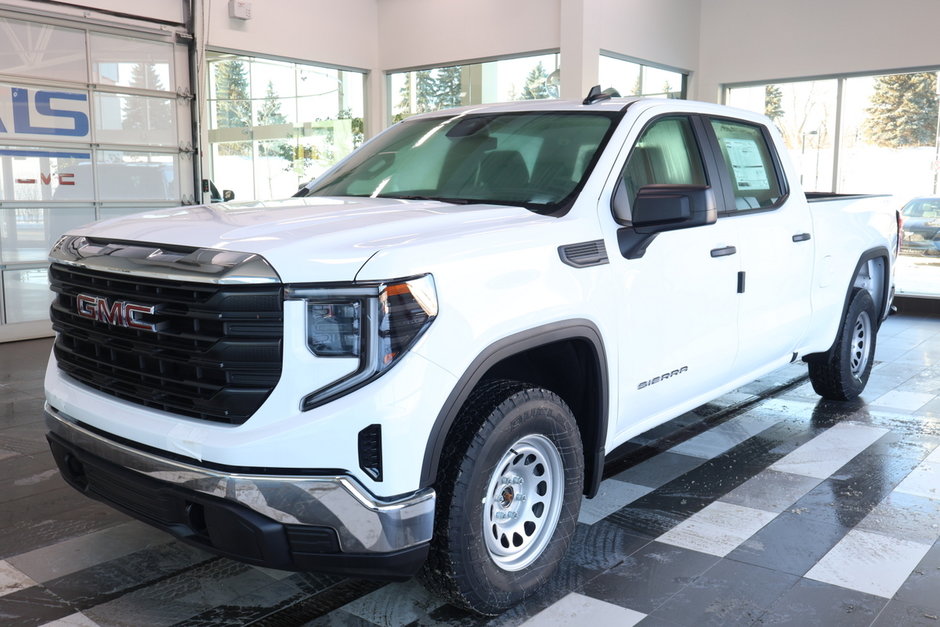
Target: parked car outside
[(921, 226)]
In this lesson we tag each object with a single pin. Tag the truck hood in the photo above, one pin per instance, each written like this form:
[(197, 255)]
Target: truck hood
[(310, 239)]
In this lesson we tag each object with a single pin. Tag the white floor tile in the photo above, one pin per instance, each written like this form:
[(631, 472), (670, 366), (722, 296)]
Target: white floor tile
[(718, 529), (74, 620), (611, 496), (12, 580), (869, 562), (909, 401), (576, 610), (905, 516), (934, 457), (830, 450), (725, 436), (771, 491), (923, 481)]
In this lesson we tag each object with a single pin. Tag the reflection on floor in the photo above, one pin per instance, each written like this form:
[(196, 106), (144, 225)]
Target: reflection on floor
[(919, 273), (756, 509)]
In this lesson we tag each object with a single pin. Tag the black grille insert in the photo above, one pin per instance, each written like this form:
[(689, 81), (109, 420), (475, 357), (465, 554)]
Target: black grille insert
[(215, 353)]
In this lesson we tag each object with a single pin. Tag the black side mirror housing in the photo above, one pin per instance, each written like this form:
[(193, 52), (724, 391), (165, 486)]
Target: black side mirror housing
[(659, 208), (227, 195)]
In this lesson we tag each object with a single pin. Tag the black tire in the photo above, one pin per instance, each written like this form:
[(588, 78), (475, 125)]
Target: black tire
[(499, 476), (841, 373)]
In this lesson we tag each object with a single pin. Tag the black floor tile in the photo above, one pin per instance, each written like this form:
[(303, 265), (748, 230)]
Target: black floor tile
[(922, 587), (815, 604), (313, 606), (32, 606), (109, 580), (729, 593), (660, 470), (841, 503), (22, 476), (655, 513), (599, 547), (650, 577), (790, 543), (14, 413), (901, 614), (46, 518)]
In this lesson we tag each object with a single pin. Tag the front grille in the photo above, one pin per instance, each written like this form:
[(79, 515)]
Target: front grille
[(215, 353)]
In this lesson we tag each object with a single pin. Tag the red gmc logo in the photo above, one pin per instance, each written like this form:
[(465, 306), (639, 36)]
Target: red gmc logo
[(119, 313)]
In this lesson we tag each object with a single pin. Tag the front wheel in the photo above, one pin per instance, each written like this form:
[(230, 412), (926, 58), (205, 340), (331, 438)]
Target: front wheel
[(509, 491), (841, 373)]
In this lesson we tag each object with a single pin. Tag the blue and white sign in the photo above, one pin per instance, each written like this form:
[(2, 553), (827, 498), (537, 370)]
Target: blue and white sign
[(43, 114)]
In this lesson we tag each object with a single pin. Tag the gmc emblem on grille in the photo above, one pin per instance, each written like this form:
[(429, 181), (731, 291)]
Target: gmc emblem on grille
[(118, 313)]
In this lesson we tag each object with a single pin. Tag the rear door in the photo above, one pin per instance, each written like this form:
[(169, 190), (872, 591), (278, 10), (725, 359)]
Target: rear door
[(774, 242)]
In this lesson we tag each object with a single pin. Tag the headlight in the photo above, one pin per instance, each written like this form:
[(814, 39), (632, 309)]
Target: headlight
[(375, 323)]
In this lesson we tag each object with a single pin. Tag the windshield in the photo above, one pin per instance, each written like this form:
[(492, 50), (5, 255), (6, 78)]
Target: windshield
[(535, 159), (922, 208)]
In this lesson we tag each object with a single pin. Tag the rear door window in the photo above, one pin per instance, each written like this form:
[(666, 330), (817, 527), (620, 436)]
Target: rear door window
[(750, 164)]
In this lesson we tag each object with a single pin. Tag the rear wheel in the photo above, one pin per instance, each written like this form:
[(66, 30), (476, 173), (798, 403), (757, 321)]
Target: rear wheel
[(842, 372), (509, 492)]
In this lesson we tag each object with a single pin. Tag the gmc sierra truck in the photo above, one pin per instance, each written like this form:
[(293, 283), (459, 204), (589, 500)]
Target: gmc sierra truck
[(422, 361)]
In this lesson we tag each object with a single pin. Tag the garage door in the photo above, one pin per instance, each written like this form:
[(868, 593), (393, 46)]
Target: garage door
[(95, 122)]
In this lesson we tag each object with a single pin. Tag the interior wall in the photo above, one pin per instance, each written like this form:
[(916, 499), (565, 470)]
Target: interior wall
[(745, 41), (665, 32), (319, 31), (415, 33)]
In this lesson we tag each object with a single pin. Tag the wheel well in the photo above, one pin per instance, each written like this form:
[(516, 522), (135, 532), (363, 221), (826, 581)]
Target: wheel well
[(567, 358), (872, 277), (570, 369)]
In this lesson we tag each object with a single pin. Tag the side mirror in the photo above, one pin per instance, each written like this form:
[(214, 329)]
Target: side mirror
[(661, 208), (227, 195)]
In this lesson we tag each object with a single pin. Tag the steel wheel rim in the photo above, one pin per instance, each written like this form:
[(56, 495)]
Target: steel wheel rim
[(523, 502), (860, 345)]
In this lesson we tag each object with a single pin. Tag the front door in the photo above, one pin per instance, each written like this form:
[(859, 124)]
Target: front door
[(678, 302)]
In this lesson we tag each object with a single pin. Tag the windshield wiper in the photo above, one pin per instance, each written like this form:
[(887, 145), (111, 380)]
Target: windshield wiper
[(453, 201)]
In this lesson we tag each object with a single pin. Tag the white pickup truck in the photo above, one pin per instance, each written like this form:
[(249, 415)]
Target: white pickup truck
[(422, 361)]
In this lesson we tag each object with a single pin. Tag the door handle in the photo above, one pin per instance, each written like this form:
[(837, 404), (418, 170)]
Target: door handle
[(723, 252), (802, 237)]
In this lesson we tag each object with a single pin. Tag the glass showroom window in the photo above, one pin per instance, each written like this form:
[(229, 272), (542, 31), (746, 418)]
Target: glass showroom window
[(431, 89), (888, 143), (274, 125), (631, 78), (805, 114)]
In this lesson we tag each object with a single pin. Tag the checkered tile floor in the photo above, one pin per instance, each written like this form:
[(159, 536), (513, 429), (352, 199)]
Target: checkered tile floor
[(764, 507)]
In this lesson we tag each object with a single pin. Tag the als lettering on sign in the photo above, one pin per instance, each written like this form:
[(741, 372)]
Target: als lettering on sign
[(43, 115), (43, 112)]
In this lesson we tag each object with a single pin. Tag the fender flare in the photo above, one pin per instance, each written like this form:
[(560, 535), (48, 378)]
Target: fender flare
[(576, 329)]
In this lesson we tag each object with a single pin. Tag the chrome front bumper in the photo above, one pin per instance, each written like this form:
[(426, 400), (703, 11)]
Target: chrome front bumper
[(364, 524)]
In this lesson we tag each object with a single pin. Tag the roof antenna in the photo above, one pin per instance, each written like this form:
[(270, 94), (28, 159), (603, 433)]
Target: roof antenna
[(596, 95)]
